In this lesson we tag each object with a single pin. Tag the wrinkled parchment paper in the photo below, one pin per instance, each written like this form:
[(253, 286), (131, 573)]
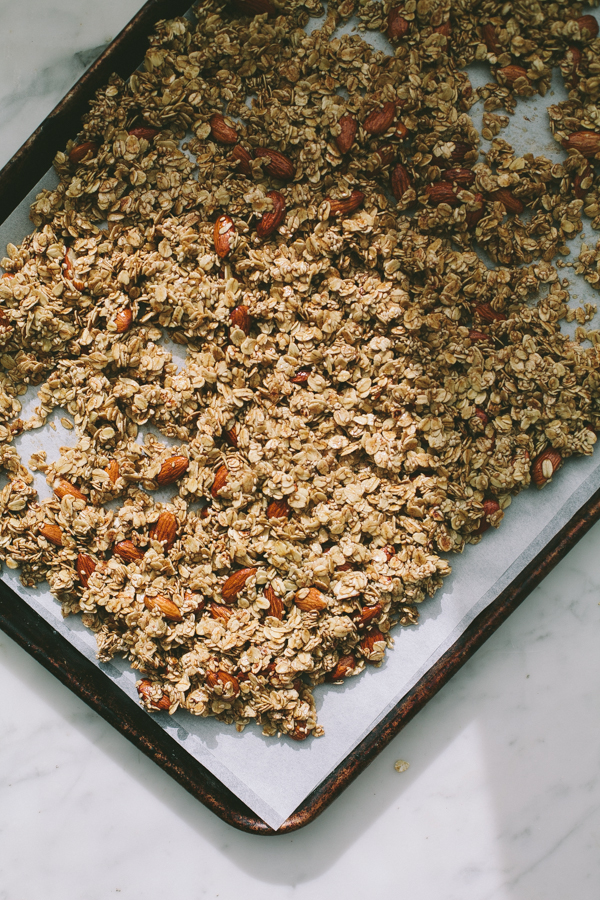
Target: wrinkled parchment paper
[(274, 776)]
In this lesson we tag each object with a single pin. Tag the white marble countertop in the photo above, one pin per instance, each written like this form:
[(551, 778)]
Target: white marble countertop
[(502, 797)]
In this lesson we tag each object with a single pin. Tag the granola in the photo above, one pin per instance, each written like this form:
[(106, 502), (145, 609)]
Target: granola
[(361, 393)]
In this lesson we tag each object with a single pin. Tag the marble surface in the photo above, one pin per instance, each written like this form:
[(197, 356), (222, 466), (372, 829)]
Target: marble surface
[(502, 797)]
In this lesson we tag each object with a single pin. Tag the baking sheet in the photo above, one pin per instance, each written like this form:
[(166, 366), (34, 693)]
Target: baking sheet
[(274, 776)]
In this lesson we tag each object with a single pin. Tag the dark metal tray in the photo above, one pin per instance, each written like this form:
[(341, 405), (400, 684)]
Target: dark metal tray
[(53, 651)]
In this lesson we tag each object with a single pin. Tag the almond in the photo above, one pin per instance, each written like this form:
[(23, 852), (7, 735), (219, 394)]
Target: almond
[(485, 312), (231, 437), (475, 335), (255, 7), (128, 551), (482, 416), (223, 235), (462, 177), (70, 260), (442, 192), (241, 156), (368, 613), (400, 181), (397, 25), (235, 583), (544, 466), (145, 690), (166, 607), (301, 376), (445, 29), (277, 165), (300, 732), (475, 210), (310, 600), (221, 476), (164, 529), (226, 684), (62, 488), (458, 154), (489, 508), (586, 142), (219, 611), (80, 151), (348, 128), (588, 24), (386, 155), (345, 665), (272, 220), (491, 40), (148, 132), (112, 470), (275, 603), (511, 203), (240, 318), (373, 646), (123, 320), (379, 120), (52, 533), (277, 509), (347, 205), (510, 74), (345, 567), (85, 565), (172, 469), (579, 189), (221, 131)]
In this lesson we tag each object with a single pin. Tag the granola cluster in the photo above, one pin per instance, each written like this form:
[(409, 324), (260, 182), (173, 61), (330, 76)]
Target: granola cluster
[(360, 391)]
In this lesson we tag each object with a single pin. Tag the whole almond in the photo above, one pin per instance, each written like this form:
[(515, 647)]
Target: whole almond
[(482, 416), (397, 25), (544, 466), (373, 646), (511, 203), (231, 437), (220, 131), (379, 120), (80, 151), (489, 508), (348, 128), (219, 611), (368, 613), (62, 488), (52, 533), (226, 684), (300, 732), (589, 24), (221, 476), (112, 470), (70, 260), (400, 181), (510, 74), (476, 212), (586, 142), (172, 469), (310, 600), (301, 376), (163, 605), (462, 177), (223, 235), (235, 583), (491, 40), (148, 132), (401, 131), (386, 155), (241, 156), (458, 154), (275, 603), (579, 189), (145, 691), (240, 318), (278, 509), (123, 320), (485, 312), (445, 29), (574, 57), (128, 551), (347, 205), (475, 335), (255, 7), (277, 165), (345, 665), (85, 565), (271, 221), (164, 529), (442, 192)]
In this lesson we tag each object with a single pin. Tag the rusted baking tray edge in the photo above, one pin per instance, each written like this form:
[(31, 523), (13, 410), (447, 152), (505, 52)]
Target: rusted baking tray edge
[(56, 654)]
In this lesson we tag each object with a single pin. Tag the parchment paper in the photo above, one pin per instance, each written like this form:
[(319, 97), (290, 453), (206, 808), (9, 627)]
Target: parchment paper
[(274, 776)]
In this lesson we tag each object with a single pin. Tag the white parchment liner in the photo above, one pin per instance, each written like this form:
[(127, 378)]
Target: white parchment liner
[(274, 776)]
